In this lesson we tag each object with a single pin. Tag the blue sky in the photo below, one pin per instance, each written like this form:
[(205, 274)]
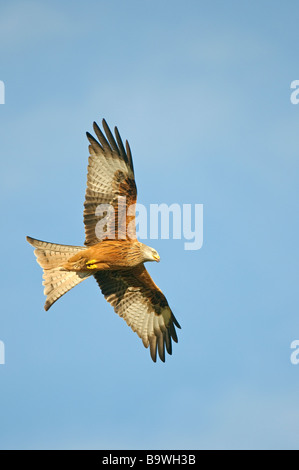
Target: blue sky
[(202, 92)]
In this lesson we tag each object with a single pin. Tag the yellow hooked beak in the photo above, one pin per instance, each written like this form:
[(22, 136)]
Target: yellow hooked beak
[(157, 258)]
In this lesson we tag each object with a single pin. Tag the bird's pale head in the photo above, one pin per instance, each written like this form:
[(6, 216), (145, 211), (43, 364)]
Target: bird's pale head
[(150, 254)]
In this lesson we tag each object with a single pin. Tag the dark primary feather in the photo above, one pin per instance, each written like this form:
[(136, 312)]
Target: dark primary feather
[(110, 137)]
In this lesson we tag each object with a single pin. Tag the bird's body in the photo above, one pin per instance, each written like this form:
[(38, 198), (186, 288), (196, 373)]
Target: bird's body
[(107, 255), (112, 254)]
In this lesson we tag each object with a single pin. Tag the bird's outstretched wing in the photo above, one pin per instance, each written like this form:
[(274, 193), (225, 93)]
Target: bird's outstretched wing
[(109, 207), (136, 298)]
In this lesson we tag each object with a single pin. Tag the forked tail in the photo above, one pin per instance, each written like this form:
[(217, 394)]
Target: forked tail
[(51, 257)]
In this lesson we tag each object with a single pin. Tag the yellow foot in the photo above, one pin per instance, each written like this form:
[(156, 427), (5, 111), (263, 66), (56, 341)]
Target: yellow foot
[(91, 264)]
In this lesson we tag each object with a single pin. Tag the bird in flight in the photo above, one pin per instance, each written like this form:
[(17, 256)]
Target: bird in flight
[(112, 253)]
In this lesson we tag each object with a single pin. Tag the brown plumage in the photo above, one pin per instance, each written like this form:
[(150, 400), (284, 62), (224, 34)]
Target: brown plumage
[(112, 254)]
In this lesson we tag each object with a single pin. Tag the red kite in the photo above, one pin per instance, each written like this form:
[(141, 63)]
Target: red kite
[(112, 253)]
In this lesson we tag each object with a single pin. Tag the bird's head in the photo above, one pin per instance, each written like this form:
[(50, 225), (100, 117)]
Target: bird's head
[(150, 254)]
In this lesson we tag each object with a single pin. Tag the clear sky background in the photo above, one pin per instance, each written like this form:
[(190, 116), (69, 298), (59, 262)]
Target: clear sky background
[(201, 89)]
